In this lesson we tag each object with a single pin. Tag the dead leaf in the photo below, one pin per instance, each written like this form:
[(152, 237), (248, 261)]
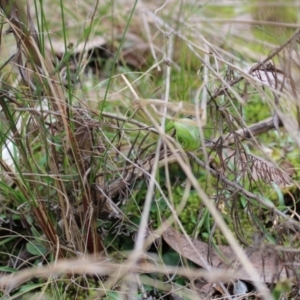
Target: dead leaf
[(258, 167), (266, 261), (58, 46)]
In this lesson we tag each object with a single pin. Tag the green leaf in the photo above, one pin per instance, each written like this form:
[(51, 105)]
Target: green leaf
[(112, 296), (35, 248), (29, 287), (279, 193), (25, 289), (7, 269), (171, 258), (7, 240)]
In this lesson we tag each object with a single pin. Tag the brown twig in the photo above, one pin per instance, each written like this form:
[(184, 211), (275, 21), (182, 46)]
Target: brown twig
[(245, 133), (223, 90)]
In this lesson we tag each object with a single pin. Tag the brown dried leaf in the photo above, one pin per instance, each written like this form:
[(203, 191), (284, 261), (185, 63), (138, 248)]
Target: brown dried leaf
[(259, 168), (58, 46), (267, 171), (266, 261)]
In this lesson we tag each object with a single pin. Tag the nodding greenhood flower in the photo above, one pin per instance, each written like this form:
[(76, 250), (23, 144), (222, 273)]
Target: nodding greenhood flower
[(187, 134)]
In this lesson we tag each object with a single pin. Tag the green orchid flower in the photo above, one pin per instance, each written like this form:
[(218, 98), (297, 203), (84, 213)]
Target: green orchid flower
[(186, 133)]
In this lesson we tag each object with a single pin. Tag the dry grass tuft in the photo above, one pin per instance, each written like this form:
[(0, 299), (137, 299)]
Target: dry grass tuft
[(129, 126)]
